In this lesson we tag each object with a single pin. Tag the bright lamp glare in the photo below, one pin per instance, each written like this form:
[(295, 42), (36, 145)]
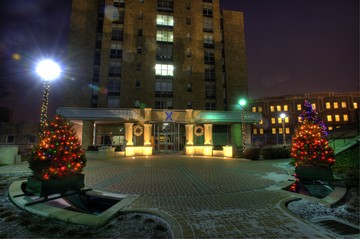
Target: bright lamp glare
[(48, 70), (282, 115), (242, 102)]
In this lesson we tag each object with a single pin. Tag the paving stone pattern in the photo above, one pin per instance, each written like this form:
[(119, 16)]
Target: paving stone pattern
[(208, 197)]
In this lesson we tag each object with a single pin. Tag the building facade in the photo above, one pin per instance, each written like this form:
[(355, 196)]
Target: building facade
[(337, 110), (167, 56)]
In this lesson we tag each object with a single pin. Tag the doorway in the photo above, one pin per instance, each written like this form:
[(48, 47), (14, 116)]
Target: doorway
[(169, 137)]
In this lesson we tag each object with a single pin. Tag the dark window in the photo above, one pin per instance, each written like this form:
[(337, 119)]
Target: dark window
[(165, 5), (138, 66), (210, 106), (10, 139), (207, 11), (138, 84), (140, 32), (163, 88), (188, 21), (164, 52), (209, 56), (209, 73), (139, 49), (117, 34), (189, 87), (115, 68), (188, 5), (210, 90)]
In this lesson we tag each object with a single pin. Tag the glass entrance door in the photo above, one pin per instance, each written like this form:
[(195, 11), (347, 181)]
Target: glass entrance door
[(168, 137)]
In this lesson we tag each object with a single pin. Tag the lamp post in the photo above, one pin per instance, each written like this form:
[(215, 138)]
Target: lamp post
[(48, 70), (283, 116), (242, 103)]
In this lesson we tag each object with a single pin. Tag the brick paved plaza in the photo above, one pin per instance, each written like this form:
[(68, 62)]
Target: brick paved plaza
[(208, 197)]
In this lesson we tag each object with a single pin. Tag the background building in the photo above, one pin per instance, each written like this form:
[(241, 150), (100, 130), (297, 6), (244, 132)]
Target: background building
[(339, 111), (157, 57)]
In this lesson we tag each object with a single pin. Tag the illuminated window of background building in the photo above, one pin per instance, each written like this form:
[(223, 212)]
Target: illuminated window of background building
[(298, 106), (343, 105), (279, 120), (165, 36), (165, 20), (261, 131), (280, 130), (287, 130), (355, 105), (286, 119), (164, 70), (313, 105), (327, 105), (273, 120), (273, 130), (346, 117), (261, 122), (299, 119), (278, 107), (329, 118), (337, 117), (272, 108), (330, 128), (254, 131), (259, 109), (254, 109), (336, 105), (286, 108)]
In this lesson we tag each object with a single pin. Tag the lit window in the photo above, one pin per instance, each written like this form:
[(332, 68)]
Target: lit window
[(165, 20), (254, 109), (298, 106), (327, 105), (286, 108), (279, 120), (278, 107), (164, 70), (329, 118), (299, 119), (343, 104), (255, 131), (330, 128), (355, 105), (261, 122), (272, 108), (280, 130), (261, 131), (260, 109), (273, 130), (287, 131), (313, 105), (208, 24), (337, 117), (286, 119), (273, 120), (336, 105), (165, 36), (208, 39), (346, 117)]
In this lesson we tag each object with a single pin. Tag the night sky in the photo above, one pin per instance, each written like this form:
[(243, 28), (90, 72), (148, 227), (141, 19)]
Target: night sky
[(293, 47)]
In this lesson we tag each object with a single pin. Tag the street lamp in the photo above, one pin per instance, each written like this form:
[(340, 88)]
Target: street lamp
[(283, 116), (48, 70), (242, 103)]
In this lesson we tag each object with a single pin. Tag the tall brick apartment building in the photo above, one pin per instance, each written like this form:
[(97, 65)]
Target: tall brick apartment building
[(157, 70)]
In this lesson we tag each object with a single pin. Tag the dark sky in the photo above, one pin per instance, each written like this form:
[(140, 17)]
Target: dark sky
[(293, 47)]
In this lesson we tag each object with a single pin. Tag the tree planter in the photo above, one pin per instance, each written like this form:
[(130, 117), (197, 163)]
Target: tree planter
[(314, 173), (43, 188)]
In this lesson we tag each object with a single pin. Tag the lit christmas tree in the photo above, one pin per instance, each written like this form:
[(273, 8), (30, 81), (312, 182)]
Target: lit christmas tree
[(310, 146), (58, 153)]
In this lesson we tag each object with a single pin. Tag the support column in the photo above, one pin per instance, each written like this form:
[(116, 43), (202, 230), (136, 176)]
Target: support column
[(208, 134), (189, 115), (147, 134), (129, 133), (189, 134), (236, 133), (147, 116), (87, 133)]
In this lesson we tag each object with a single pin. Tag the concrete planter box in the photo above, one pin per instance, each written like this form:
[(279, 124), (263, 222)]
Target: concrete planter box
[(314, 173), (43, 188)]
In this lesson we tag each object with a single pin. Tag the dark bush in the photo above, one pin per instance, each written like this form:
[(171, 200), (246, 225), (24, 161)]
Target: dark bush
[(275, 153), (117, 148), (92, 148), (347, 166), (252, 153), (217, 147)]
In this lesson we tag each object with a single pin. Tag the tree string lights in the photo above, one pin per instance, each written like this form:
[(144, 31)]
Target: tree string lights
[(44, 105), (310, 146), (58, 153)]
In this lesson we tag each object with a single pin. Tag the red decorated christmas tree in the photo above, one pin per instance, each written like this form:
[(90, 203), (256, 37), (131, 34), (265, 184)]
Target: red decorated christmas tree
[(58, 153), (310, 146)]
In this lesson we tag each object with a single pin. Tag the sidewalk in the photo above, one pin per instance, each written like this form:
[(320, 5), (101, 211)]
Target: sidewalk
[(208, 197)]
